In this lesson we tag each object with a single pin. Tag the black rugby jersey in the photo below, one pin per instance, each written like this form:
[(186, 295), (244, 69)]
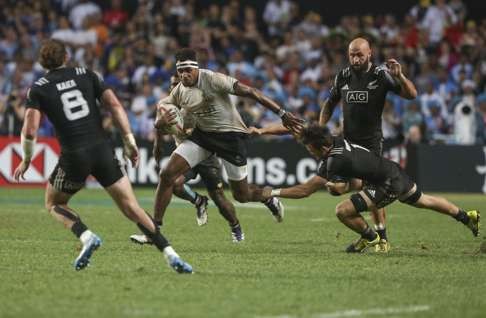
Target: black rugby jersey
[(363, 98), (69, 97), (348, 160)]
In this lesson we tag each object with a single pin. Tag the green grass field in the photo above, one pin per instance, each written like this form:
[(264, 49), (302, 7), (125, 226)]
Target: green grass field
[(294, 269)]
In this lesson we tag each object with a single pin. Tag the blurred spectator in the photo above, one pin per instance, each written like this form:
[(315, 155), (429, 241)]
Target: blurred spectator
[(436, 125), (287, 52), (80, 11), (412, 116)]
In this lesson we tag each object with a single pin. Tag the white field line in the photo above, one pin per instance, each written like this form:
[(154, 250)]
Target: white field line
[(362, 313)]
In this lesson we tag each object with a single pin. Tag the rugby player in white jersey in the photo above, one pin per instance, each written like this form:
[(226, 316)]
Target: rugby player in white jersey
[(219, 131)]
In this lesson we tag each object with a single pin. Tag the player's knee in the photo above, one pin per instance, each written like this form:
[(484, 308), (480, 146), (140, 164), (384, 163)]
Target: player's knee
[(341, 211), (168, 177)]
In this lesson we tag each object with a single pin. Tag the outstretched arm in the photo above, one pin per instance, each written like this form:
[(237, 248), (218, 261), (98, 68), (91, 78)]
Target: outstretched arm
[(288, 119), (298, 191), (275, 129), (327, 108)]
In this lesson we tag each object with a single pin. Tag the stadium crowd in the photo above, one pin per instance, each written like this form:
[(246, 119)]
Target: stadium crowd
[(292, 56)]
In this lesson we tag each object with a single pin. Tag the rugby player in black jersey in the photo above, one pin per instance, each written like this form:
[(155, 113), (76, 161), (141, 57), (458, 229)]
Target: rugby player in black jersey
[(385, 182), (69, 97), (362, 88)]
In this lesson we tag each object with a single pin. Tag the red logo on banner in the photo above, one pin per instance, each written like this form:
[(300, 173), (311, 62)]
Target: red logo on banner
[(46, 154)]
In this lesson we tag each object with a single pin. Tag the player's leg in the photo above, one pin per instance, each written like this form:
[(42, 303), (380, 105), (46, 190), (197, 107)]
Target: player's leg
[(67, 179), (424, 201), (184, 191), (244, 192), (228, 211), (348, 212), (186, 156), (122, 193), (378, 216), (107, 171)]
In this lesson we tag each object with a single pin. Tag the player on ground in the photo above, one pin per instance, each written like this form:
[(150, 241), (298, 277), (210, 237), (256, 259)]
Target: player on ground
[(210, 172), (205, 95), (68, 97), (385, 182), (362, 87)]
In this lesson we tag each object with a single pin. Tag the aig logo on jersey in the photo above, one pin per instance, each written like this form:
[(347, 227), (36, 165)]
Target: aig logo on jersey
[(357, 97)]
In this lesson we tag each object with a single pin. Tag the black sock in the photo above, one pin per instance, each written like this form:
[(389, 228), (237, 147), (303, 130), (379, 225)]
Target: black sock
[(197, 199), (78, 228), (369, 234), (462, 217), (382, 233), (157, 238), (234, 226)]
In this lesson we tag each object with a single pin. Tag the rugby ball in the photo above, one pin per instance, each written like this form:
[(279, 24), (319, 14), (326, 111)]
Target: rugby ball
[(178, 127)]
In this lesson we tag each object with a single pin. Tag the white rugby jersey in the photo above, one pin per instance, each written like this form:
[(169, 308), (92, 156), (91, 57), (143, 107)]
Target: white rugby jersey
[(209, 103)]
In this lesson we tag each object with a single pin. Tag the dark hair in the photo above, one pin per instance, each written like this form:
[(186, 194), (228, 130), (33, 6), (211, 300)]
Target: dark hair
[(316, 136), (185, 54), (52, 54)]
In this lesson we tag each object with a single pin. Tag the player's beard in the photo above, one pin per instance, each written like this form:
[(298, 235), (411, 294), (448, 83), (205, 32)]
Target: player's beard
[(361, 68)]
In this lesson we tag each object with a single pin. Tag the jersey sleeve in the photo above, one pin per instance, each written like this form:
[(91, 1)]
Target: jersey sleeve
[(390, 82), (333, 165), (335, 92), (33, 98), (223, 83), (99, 83)]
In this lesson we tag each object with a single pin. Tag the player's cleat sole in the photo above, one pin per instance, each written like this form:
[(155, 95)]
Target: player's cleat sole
[(473, 223), (177, 264), (383, 246), (276, 208), (140, 239), (362, 244), (202, 211), (82, 261), (237, 234)]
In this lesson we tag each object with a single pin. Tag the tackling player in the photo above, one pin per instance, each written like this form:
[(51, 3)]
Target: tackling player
[(385, 181), (205, 95), (69, 97), (362, 87)]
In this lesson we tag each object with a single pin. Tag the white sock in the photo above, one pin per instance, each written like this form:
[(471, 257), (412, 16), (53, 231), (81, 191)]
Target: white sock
[(85, 236), (169, 252)]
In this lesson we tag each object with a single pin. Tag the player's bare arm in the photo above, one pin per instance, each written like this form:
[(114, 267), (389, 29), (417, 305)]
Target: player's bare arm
[(298, 191), (327, 108), (28, 136), (408, 89), (130, 149), (288, 119), (275, 129)]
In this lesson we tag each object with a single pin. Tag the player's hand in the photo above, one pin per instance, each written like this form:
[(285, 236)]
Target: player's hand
[(395, 67), (254, 131), (131, 153), (165, 119), (267, 192), (130, 149), (293, 123), (20, 170)]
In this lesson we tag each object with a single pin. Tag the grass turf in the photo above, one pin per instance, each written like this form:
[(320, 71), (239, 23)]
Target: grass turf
[(294, 269)]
